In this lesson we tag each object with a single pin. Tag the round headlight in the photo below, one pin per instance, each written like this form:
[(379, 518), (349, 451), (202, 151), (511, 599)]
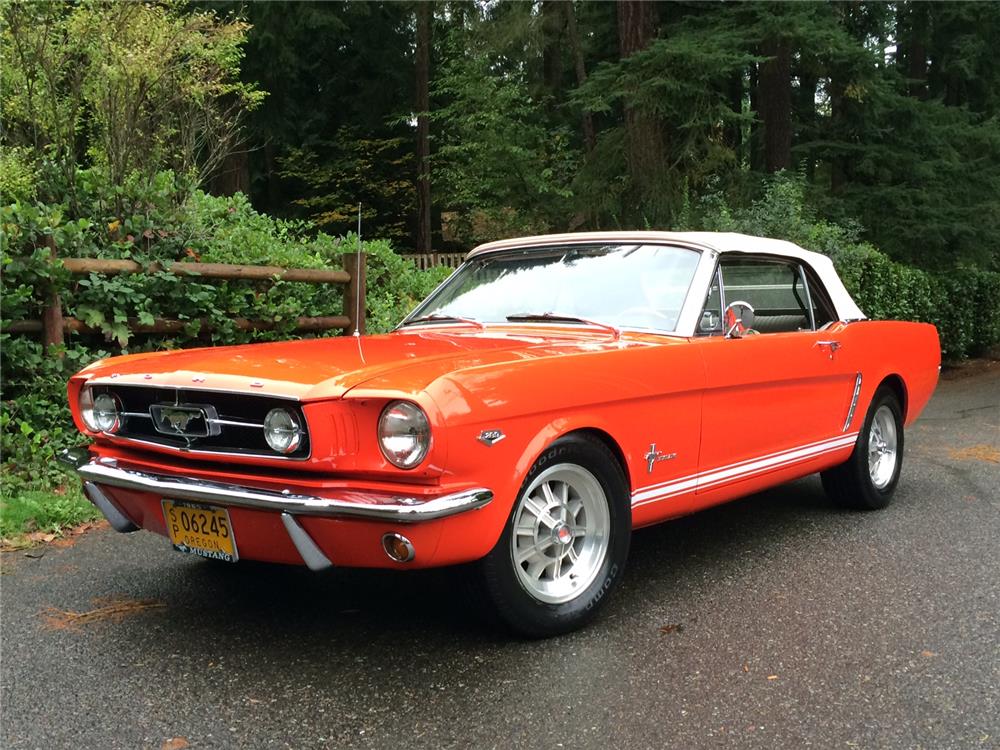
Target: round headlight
[(101, 413), (404, 434), (282, 431)]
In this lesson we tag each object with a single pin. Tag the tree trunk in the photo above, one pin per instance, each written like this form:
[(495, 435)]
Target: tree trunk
[(234, 173), (806, 106), (644, 146), (755, 145), (913, 25), (839, 164), (775, 100), (423, 65), (587, 124), (734, 130), (553, 26)]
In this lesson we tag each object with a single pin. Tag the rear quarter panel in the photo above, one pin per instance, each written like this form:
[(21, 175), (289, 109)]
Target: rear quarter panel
[(910, 351)]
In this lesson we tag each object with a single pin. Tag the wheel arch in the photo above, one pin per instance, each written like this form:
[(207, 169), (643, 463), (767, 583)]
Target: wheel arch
[(611, 444), (896, 383)]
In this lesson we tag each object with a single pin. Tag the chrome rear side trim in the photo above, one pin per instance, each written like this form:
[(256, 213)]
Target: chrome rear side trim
[(854, 402)]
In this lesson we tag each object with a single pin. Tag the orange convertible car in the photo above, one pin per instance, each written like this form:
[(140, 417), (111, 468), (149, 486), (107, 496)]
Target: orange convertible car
[(552, 395)]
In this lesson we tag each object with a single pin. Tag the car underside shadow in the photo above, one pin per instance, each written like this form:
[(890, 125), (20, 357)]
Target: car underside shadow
[(286, 602)]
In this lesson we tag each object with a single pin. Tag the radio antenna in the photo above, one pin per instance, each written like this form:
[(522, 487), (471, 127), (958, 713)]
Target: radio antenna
[(357, 281)]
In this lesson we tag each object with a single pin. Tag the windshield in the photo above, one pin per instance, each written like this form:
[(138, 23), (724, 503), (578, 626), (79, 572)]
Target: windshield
[(621, 285)]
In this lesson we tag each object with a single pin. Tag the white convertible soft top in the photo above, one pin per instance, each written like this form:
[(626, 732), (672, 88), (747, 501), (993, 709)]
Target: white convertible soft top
[(719, 242)]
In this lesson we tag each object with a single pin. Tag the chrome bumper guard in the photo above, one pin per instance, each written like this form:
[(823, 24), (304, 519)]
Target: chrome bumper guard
[(370, 505)]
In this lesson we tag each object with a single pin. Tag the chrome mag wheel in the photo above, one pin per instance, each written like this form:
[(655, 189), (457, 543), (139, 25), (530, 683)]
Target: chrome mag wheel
[(561, 533), (882, 447)]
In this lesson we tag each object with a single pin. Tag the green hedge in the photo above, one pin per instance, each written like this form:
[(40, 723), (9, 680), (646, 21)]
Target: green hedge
[(964, 304)]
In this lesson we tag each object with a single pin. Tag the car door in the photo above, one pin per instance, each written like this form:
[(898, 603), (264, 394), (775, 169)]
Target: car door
[(782, 392)]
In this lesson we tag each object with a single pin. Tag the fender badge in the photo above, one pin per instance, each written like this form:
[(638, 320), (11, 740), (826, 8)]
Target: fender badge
[(490, 437), (654, 457)]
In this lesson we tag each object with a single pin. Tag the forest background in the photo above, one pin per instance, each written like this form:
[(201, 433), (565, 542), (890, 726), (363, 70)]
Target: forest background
[(250, 132)]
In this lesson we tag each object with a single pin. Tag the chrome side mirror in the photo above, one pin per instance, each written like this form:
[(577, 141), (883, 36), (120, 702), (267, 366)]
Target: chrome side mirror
[(738, 319)]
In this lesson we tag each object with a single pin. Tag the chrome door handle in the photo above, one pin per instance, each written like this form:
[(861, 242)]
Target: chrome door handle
[(834, 346)]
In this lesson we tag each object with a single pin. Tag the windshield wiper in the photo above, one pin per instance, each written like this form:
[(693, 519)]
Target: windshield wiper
[(436, 318), (562, 318)]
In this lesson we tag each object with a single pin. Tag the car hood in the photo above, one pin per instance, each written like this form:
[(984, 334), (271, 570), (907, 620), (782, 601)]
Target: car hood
[(330, 367)]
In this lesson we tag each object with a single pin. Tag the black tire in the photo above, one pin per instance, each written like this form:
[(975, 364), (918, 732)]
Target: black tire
[(498, 578), (850, 485)]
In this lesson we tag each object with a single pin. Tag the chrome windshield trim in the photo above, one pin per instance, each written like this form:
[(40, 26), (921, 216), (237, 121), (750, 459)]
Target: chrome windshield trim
[(366, 504)]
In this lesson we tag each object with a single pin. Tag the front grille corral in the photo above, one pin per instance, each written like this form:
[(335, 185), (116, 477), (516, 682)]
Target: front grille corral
[(239, 419)]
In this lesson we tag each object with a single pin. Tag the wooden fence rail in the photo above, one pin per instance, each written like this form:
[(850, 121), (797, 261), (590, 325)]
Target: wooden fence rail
[(423, 261), (54, 325)]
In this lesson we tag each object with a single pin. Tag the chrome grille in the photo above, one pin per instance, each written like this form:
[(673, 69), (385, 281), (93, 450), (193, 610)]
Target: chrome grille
[(210, 421)]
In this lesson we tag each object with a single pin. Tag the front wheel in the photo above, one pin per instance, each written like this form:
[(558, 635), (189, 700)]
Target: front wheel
[(867, 480), (565, 544)]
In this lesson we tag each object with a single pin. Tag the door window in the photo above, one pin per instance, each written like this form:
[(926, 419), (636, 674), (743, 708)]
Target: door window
[(778, 291)]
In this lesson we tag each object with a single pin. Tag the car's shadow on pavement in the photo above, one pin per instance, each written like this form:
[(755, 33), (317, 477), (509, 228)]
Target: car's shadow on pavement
[(326, 612)]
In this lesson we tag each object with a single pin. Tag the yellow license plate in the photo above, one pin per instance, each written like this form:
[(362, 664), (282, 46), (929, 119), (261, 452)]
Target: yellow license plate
[(200, 530)]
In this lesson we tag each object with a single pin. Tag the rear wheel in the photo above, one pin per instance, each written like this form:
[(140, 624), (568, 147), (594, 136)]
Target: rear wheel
[(867, 480), (566, 542)]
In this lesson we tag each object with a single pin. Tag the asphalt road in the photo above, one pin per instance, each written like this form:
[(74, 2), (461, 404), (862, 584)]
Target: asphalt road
[(773, 622)]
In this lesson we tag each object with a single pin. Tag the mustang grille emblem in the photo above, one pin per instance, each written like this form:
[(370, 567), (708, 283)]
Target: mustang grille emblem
[(185, 420)]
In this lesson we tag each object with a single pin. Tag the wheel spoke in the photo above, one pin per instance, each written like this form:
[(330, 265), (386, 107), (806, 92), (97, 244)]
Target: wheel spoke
[(538, 511), (535, 569), (534, 551)]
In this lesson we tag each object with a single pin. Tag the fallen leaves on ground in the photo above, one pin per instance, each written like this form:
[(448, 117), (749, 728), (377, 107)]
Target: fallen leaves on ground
[(64, 538), (927, 654), (113, 609), (979, 452), (175, 743), (674, 627)]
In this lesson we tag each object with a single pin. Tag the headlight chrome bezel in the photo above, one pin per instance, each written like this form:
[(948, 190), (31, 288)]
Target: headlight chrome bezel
[(403, 421), (283, 431), (102, 413)]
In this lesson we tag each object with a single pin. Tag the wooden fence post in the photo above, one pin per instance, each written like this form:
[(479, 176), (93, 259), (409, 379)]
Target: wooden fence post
[(52, 317), (354, 293)]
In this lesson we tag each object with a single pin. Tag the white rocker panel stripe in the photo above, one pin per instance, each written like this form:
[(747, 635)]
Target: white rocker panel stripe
[(740, 470)]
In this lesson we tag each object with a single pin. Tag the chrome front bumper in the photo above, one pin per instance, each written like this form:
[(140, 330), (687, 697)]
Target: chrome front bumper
[(353, 504)]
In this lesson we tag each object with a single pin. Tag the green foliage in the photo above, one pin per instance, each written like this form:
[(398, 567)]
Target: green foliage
[(496, 161), (43, 511), (34, 419), (344, 177), (135, 86)]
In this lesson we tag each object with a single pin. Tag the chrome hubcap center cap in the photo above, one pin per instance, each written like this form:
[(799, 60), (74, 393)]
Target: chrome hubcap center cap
[(561, 534)]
